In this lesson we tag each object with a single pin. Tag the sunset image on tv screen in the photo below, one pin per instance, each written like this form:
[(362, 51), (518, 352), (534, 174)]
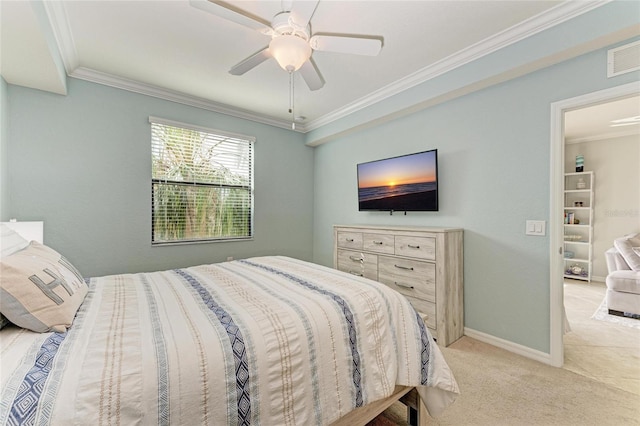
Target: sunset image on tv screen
[(401, 183)]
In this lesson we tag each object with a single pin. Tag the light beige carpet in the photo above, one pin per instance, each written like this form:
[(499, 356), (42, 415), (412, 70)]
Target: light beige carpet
[(501, 388)]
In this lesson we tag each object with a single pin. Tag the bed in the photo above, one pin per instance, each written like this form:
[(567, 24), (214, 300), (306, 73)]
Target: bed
[(267, 340)]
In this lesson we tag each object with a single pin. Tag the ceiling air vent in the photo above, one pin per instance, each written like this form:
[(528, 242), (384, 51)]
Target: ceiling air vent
[(623, 59)]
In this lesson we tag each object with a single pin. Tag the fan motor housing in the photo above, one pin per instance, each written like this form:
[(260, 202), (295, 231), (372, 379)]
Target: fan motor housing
[(283, 24)]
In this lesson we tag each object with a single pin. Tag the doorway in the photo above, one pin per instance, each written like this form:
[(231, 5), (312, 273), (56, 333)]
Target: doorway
[(558, 110)]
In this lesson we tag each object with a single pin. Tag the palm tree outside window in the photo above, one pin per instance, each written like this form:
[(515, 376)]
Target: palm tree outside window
[(201, 185)]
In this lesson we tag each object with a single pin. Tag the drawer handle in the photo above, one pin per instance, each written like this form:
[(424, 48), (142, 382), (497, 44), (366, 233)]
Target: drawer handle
[(357, 274), (378, 243), (406, 268), (412, 246), (349, 240), (356, 258), (403, 285)]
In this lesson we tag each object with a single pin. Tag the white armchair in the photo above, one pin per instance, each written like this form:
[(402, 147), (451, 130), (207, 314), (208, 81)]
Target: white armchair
[(623, 281)]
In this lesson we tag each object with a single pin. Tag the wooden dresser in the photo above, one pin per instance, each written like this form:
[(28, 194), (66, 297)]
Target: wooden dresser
[(424, 264)]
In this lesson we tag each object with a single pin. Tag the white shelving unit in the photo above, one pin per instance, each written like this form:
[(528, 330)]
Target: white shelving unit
[(578, 225)]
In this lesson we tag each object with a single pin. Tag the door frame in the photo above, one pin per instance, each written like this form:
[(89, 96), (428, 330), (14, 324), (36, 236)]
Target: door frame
[(556, 205)]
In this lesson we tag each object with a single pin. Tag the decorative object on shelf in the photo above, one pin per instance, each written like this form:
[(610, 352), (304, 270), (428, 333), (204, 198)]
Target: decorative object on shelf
[(581, 184), (576, 270), (570, 218), (578, 204), (569, 254), (579, 163), (572, 237)]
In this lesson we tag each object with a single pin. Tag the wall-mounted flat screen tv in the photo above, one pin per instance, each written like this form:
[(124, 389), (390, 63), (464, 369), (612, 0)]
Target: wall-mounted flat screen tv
[(404, 183)]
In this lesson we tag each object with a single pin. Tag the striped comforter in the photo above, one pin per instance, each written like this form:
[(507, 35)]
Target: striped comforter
[(271, 341)]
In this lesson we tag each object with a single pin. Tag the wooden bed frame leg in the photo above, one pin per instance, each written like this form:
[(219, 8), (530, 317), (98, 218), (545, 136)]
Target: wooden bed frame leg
[(363, 415), (417, 413), (418, 417), (412, 416)]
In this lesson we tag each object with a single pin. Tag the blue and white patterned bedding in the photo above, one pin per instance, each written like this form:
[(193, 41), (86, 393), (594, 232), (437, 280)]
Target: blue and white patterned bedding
[(271, 341)]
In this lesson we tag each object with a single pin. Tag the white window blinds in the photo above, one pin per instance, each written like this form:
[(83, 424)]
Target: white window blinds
[(202, 184)]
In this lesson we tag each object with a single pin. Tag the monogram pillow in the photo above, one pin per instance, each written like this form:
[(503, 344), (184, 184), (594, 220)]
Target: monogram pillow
[(39, 289)]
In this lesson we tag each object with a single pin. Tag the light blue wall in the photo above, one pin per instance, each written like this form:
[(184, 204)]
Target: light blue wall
[(4, 169), (82, 163), (494, 168), (607, 24)]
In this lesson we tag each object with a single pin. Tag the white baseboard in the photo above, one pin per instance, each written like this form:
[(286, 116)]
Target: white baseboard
[(524, 351)]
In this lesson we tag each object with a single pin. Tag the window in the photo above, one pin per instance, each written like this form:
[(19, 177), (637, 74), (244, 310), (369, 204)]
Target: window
[(201, 184)]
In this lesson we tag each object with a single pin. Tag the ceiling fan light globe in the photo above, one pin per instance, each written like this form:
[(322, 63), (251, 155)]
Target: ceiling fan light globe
[(290, 51)]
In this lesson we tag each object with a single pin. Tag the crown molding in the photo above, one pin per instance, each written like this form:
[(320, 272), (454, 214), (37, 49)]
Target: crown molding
[(608, 136), (536, 24), (59, 22), (99, 77), (557, 15)]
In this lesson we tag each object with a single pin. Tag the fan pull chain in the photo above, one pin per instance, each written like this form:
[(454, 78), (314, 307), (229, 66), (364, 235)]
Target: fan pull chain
[(293, 119)]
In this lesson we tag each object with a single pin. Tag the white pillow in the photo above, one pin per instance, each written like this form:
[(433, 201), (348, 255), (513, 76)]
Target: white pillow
[(10, 241), (627, 246)]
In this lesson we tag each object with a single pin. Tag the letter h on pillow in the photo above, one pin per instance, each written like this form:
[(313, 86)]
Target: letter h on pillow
[(40, 290)]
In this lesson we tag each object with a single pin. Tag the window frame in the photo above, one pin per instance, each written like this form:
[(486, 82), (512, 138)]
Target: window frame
[(154, 180)]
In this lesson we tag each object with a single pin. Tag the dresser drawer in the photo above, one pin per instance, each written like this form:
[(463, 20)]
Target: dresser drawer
[(418, 247), (380, 243), (426, 308), (352, 240), (409, 277), (360, 264)]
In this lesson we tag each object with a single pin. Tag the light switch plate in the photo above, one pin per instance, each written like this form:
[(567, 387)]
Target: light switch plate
[(536, 227)]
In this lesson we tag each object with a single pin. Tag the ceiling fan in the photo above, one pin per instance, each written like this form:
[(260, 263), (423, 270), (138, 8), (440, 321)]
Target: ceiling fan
[(291, 40)]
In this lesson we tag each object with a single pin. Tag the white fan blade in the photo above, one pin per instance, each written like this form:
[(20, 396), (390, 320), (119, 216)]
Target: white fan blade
[(311, 75), (346, 44), (302, 11), (251, 62), (233, 14)]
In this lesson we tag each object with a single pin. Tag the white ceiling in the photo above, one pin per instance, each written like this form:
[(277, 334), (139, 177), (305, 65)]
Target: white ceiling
[(177, 51), (598, 122)]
